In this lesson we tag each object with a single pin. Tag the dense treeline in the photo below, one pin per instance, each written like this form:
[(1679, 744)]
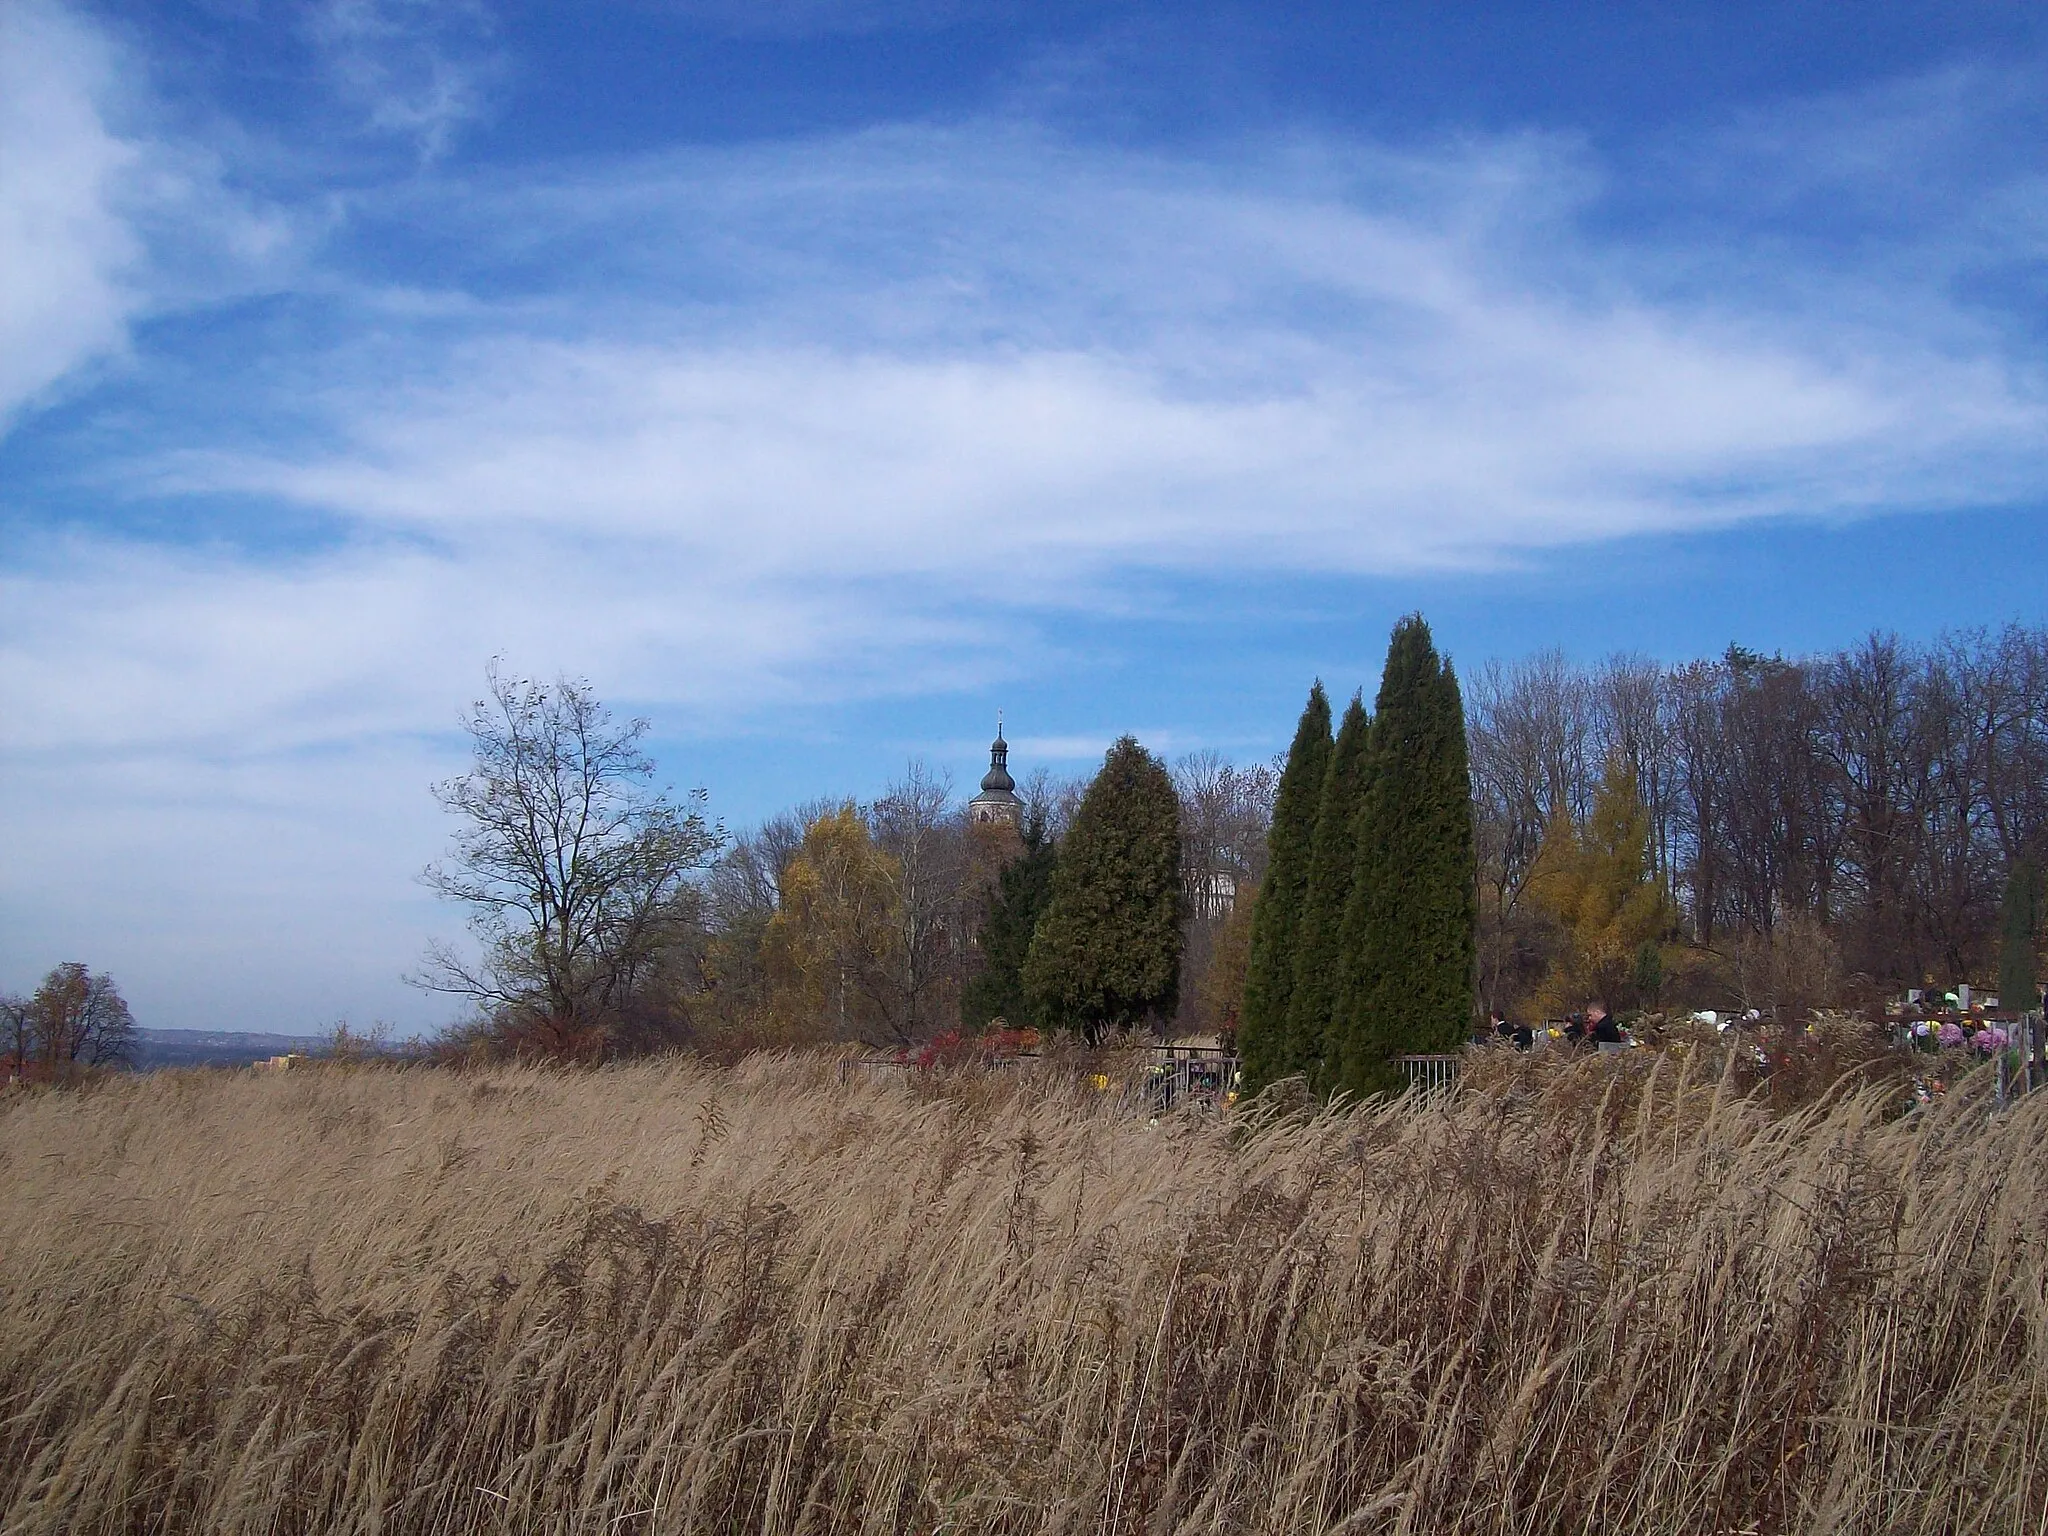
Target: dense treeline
[(611, 919), (1749, 831), (1837, 826), (955, 911)]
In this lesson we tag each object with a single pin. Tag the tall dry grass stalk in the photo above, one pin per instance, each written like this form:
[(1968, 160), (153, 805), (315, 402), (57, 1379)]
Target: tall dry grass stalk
[(1609, 1297)]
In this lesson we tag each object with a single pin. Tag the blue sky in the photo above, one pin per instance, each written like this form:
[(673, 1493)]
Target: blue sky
[(815, 378)]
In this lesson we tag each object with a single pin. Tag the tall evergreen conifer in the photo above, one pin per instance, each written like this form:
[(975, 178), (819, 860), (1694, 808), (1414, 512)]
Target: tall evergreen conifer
[(1333, 855), (1409, 927), (1010, 918), (1106, 953), (2019, 984), (1276, 922)]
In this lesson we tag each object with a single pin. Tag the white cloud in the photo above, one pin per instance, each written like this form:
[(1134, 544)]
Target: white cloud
[(1049, 380), (103, 219), (964, 372), (67, 254), (110, 648)]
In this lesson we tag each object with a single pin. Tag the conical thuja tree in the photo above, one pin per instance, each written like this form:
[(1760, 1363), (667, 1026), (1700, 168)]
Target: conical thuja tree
[(1106, 954), (2019, 929), (1409, 926), (1008, 921), (1333, 854), (1276, 922)]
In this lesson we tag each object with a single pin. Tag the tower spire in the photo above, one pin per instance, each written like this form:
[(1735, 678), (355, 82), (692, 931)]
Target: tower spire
[(998, 798)]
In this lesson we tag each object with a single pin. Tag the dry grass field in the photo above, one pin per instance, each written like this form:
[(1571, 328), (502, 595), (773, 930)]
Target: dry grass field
[(1613, 1297)]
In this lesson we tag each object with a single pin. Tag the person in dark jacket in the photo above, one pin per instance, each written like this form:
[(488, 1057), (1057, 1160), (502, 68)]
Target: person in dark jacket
[(1521, 1036), (1601, 1028)]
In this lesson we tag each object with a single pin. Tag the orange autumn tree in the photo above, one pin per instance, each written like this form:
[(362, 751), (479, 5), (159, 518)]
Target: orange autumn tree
[(1612, 914), (832, 947), (1221, 989)]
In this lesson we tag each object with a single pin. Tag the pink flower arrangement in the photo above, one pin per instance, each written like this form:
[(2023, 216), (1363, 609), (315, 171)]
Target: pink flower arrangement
[(1951, 1036), (1990, 1039)]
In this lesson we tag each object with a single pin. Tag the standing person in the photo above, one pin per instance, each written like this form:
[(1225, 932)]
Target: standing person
[(1602, 1030)]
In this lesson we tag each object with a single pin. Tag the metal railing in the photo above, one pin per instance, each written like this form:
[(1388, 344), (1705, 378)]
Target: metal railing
[(2020, 1064), (1193, 1075), (1178, 1075), (1174, 1075), (1430, 1073)]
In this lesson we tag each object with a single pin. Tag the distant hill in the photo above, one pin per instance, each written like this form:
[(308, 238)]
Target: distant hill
[(214, 1048)]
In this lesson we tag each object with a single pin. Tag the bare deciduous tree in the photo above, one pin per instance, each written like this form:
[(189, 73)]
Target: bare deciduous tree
[(1225, 815), (576, 874), (1531, 730), (17, 1039), (78, 1019), (1879, 794), (916, 824), (1051, 800)]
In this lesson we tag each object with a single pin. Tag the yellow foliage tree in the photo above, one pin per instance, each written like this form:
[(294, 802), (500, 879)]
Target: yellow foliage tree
[(831, 950), (1220, 994), (1612, 915)]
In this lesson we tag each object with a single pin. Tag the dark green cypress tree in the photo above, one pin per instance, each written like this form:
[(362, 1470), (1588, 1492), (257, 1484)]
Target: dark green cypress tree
[(1409, 926), (1106, 954), (1276, 921), (1009, 919), (1333, 856), (2019, 928)]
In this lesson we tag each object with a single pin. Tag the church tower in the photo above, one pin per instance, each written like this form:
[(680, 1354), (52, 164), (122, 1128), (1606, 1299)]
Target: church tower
[(997, 804)]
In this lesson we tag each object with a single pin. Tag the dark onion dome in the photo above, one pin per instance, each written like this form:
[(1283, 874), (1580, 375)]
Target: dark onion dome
[(997, 780), (998, 798)]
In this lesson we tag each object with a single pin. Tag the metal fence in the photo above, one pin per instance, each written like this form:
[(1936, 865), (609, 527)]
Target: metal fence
[(1175, 1076), (1190, 1076), (1204, 1077), (2021, 1067), (1430, 1073)]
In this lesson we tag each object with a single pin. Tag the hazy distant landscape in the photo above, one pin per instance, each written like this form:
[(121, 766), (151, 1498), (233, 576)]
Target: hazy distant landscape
[(156, 1048)]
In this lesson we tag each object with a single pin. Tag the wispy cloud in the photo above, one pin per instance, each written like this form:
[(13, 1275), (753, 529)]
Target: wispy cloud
[(105, 221), (826, 18), (802, 412), (68, 255), (806, 415), (418, 69)]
